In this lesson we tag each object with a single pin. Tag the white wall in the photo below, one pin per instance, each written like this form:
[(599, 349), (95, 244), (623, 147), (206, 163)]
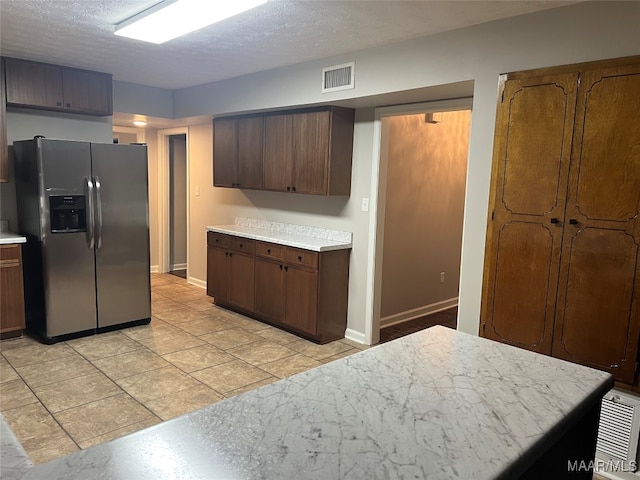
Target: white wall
[(578, 33)]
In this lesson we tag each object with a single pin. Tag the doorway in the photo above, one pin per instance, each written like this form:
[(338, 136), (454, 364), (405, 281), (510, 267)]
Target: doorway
[(421, 185), (178, 205)]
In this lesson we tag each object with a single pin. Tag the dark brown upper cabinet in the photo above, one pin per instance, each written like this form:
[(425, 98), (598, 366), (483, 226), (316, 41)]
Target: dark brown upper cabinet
[(237, 152), (53, 87)]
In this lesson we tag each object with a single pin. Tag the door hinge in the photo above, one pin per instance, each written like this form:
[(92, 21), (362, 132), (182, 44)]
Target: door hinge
[(493, 215), (502, 97), (484, 324)]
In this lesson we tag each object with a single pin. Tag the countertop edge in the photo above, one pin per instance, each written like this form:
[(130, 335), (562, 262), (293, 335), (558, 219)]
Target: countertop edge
[(266, 236), (7, 238)]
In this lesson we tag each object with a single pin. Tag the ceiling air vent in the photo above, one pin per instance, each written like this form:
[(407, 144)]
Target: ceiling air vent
[(338, 77)]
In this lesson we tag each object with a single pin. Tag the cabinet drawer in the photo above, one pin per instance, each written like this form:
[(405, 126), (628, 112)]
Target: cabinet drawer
[(219, 239), (243, 245), (301, 257), (270, 250), (10, 255)]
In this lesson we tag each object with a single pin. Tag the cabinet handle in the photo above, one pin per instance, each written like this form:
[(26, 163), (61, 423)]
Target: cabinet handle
[(241, 245), (294, 189), (286, 269), (573, 221), (217, 240), (68, 105), (299, 258), (230, 254), (555, 220), (280, 267), (288, 189), (58, 104), (269, 251)]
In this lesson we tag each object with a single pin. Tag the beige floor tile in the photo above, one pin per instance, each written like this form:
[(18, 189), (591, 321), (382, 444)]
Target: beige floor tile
[(58, 370), (245, 322), (102, 416), (156, 383), (172, 291), (7, 373), (252, 386), (103, 345), (352, 344), (231, 338), (16, 393), (120, 432), (20, 342), (231, 376), (174, 342), (319, 352), (205, 325), (36, 353), (77, 391), (158, 280), (197, 358), (276, 335), (157, 328), (185, 314), (130, 363), (290, 366), (165, 305), (340, 355), (192, 295), (184, 401), (39, 433), (259, 353)]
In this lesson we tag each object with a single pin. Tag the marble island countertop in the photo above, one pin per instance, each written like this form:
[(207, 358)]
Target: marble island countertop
[(308, 238), (8, 238), (438, 404)]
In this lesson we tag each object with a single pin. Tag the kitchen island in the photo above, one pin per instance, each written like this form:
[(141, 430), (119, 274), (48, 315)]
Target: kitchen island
[(438, 404)]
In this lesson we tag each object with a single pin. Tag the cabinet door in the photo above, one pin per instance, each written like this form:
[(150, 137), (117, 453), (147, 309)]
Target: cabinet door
[(311, 152), (278, 152), (87, 92), (524, 233), (241, 280), (598, 318), (250, 139), (217, 273), (11, 289), (270, 290), (33, 84), (301, 299), (225, 152)]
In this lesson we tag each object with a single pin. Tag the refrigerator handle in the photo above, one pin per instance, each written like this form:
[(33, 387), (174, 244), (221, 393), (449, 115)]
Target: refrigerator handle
[(88, 194), (98, 208)]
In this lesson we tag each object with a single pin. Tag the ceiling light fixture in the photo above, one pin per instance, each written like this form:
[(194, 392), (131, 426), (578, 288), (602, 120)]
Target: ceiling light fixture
[(172, 18), (140, 123)]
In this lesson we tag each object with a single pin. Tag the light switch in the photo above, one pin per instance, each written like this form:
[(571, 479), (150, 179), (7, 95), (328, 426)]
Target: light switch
[(365, 204)]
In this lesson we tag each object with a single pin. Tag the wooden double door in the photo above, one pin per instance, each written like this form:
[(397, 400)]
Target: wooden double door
[(561, 263)]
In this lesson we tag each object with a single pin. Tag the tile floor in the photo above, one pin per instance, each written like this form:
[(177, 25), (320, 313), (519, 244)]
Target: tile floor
[(75, 394)]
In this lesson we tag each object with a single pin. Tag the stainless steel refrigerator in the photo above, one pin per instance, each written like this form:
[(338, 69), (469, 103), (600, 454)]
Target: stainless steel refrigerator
[(84, 210)]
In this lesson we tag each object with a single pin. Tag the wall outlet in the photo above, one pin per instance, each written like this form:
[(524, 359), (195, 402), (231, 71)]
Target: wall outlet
[(441, 277), (365, 204)]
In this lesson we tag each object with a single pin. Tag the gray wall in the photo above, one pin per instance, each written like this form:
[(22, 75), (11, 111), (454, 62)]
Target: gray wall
[(424, 207)]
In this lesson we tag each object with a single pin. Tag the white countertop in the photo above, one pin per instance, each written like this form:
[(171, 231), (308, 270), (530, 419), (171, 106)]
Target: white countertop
[(7, 238), (308, 238), (438, 404)]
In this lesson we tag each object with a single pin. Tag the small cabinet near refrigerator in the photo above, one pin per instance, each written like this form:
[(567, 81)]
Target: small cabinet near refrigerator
[(84, 210)]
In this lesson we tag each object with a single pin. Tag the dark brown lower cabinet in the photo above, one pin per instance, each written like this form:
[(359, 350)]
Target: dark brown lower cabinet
[(11, 291), (302, 291)]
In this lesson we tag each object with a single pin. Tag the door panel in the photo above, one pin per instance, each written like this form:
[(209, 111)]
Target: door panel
[(595, 306), (250, 134), (523, 291), (241, 283), (122, 243), (225, 152), (278, 152), (270, 290), (311, 150), (302, 299), (68, 262), (217, 274)]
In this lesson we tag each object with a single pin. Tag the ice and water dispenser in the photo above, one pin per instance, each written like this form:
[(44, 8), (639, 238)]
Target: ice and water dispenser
[(68, 213)]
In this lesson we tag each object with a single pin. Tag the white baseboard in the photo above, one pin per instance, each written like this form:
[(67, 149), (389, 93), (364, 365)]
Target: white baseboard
[(178, 266), (155, 269), (197, 282), (355, 336), (418, 312)]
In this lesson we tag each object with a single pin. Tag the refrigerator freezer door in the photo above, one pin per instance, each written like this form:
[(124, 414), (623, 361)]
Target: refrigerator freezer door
[(68, 262), (122, 233)]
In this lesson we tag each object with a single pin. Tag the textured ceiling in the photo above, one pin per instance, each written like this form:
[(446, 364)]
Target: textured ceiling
[(79, 33)]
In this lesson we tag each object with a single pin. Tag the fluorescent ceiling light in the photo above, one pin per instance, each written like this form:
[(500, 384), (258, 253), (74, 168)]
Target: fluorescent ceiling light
[(173, 18), (140, 123)]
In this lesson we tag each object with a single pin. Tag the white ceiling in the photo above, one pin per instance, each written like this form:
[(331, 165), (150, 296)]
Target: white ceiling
[(79, 33)]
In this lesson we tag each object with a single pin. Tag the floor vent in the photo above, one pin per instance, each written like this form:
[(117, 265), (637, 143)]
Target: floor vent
[(338, 77), (619, 429)]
